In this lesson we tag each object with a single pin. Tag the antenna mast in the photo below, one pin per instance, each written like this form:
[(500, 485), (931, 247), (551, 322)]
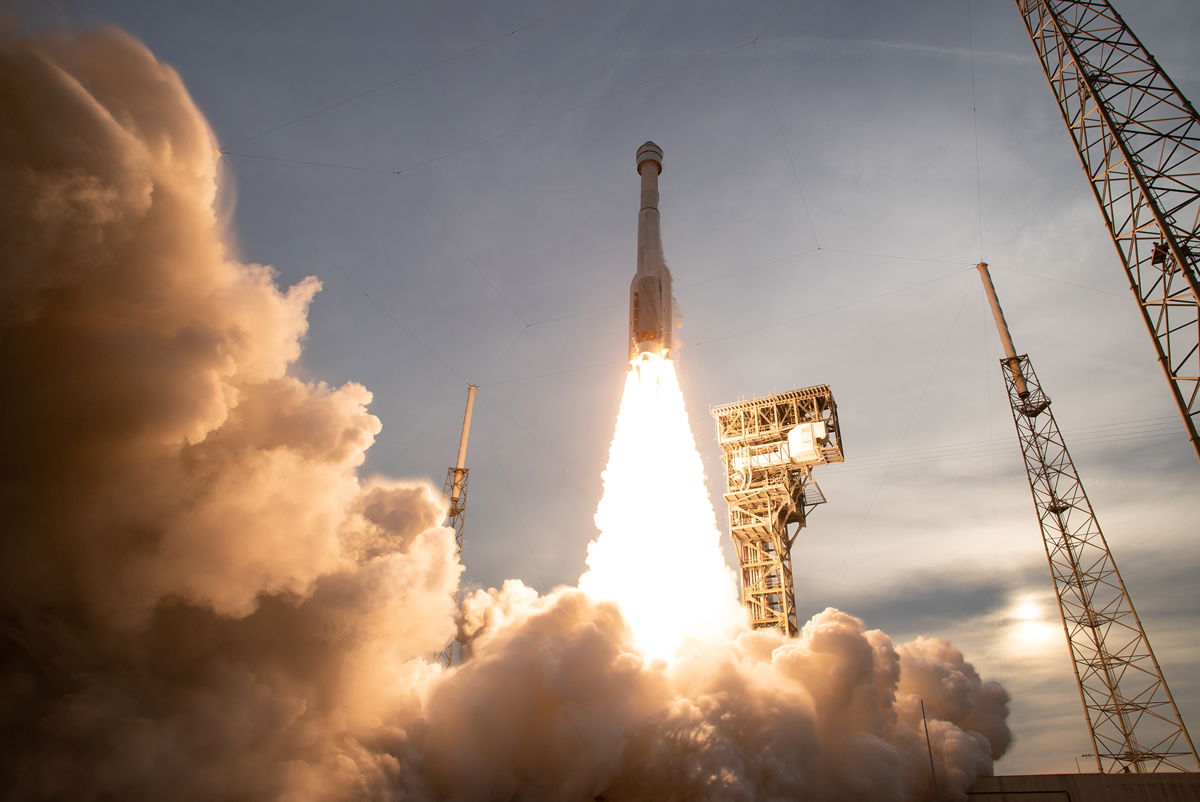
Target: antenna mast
[(1138, 139), (1131, 715), (456, 517)]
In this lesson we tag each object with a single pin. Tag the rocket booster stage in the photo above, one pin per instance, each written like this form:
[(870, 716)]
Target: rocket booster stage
[(651, 321)]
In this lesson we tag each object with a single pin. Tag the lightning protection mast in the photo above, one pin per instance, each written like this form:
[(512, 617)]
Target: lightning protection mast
[(1138, 139), (769, 447), (1131, 715), (456, 517)]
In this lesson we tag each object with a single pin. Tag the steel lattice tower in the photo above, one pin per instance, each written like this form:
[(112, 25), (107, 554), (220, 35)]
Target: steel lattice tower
[(1131, 715), (455, 490), (769, 447), (1138, 138)]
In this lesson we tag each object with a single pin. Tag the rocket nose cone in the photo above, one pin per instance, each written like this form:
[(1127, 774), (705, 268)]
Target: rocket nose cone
[(649, 152)]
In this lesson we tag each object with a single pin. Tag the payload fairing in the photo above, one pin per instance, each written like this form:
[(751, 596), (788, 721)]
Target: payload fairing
[(651, 318)]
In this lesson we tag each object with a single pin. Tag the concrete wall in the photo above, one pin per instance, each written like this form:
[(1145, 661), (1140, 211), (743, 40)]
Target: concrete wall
[(1087, 788)]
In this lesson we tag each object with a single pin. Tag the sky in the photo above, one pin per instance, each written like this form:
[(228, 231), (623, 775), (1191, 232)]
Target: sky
[(460, 176)]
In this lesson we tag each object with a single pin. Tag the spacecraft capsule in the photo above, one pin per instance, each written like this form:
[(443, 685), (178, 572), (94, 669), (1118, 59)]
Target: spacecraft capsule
[(651, 320)]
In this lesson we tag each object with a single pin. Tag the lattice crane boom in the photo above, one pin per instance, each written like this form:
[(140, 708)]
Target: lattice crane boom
[(1138, 139), (1132, 718)]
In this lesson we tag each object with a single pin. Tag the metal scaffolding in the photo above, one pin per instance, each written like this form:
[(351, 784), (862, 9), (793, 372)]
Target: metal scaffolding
[(769, 447), (1138, 139), (1131, 715)]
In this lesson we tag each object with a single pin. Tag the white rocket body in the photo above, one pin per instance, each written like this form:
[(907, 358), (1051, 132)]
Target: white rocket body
[(651, 319)]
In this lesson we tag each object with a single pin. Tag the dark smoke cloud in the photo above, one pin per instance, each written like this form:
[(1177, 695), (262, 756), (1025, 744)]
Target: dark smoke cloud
[(201, 599)]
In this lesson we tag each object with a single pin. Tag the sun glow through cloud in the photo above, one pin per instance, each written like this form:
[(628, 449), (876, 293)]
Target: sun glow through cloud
[(658, 554), (1031, 625)]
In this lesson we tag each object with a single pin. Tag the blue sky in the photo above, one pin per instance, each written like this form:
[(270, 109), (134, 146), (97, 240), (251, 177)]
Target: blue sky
[(463, 183)]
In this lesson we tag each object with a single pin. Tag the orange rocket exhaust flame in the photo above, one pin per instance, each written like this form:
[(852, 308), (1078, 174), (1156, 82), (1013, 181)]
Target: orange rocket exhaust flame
[(658, 555)]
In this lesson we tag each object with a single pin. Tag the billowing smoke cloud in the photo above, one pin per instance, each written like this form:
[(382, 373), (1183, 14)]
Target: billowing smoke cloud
[(201, 599), (832, 715)]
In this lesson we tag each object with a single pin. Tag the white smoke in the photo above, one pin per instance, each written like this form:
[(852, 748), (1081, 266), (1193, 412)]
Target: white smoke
[(201, 599), (832, 715)]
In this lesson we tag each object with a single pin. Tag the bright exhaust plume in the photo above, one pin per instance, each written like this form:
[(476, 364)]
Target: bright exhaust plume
[(658, 555)]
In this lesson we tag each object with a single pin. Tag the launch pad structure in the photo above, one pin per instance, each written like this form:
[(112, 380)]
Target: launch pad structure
[(769, 447)]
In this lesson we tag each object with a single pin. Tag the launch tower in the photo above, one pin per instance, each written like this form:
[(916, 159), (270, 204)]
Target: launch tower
[(1131, 715), (769, 448)]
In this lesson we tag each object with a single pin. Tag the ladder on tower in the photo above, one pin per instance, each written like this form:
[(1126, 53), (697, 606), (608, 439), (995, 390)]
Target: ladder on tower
[(1132, 718)]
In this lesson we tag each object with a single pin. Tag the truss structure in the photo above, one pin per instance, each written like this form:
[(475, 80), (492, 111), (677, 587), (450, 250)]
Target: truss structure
[(769, 447), (455, 490), (1134, 723), (1138, 139)]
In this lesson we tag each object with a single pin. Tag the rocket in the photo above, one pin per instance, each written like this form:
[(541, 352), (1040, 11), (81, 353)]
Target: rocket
[(651, 320)]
